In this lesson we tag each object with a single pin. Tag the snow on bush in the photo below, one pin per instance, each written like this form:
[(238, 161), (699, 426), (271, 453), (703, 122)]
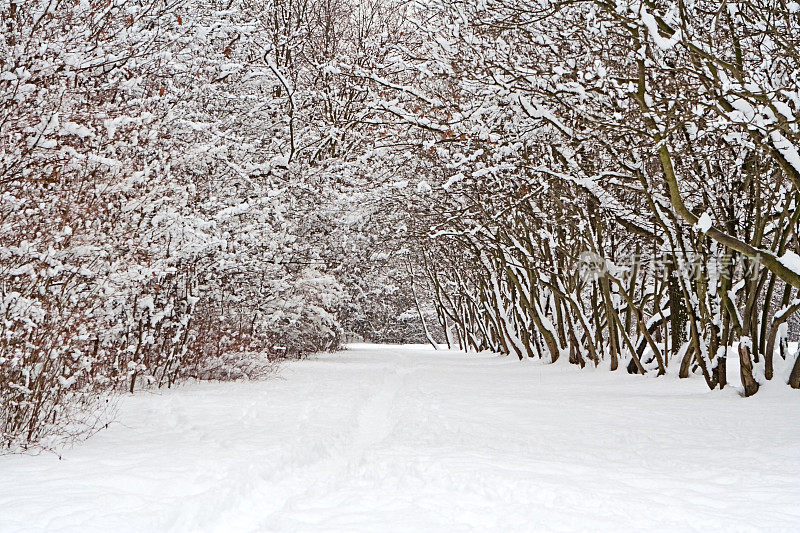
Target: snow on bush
[(155, 219), (232, 366)]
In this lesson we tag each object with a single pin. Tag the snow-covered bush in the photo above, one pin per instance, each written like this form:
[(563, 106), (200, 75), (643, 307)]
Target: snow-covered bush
[(86, 206), (155, 212), (231, 366)]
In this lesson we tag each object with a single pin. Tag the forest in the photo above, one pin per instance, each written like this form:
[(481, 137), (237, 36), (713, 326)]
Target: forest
[(199, 189)]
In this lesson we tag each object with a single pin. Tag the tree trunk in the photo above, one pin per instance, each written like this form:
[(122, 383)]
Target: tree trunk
[(746, 368), (794, 377)]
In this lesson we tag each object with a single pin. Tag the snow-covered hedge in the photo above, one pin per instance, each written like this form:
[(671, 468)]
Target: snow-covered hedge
[(154, 216)]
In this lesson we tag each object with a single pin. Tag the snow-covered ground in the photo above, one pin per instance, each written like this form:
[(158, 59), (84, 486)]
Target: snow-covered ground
[(409, 439)]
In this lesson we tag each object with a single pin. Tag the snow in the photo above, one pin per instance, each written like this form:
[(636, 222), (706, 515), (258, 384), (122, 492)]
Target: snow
[(652, 28), (397, 438), (72, 128), (455, 178), (703, 223), (791, 261), (787, 149)]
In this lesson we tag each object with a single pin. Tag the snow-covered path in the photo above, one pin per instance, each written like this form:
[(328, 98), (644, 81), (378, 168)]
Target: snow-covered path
[(409, 439)]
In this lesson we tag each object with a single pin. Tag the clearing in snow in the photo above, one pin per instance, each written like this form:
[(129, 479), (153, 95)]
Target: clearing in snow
[(391, 438)]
